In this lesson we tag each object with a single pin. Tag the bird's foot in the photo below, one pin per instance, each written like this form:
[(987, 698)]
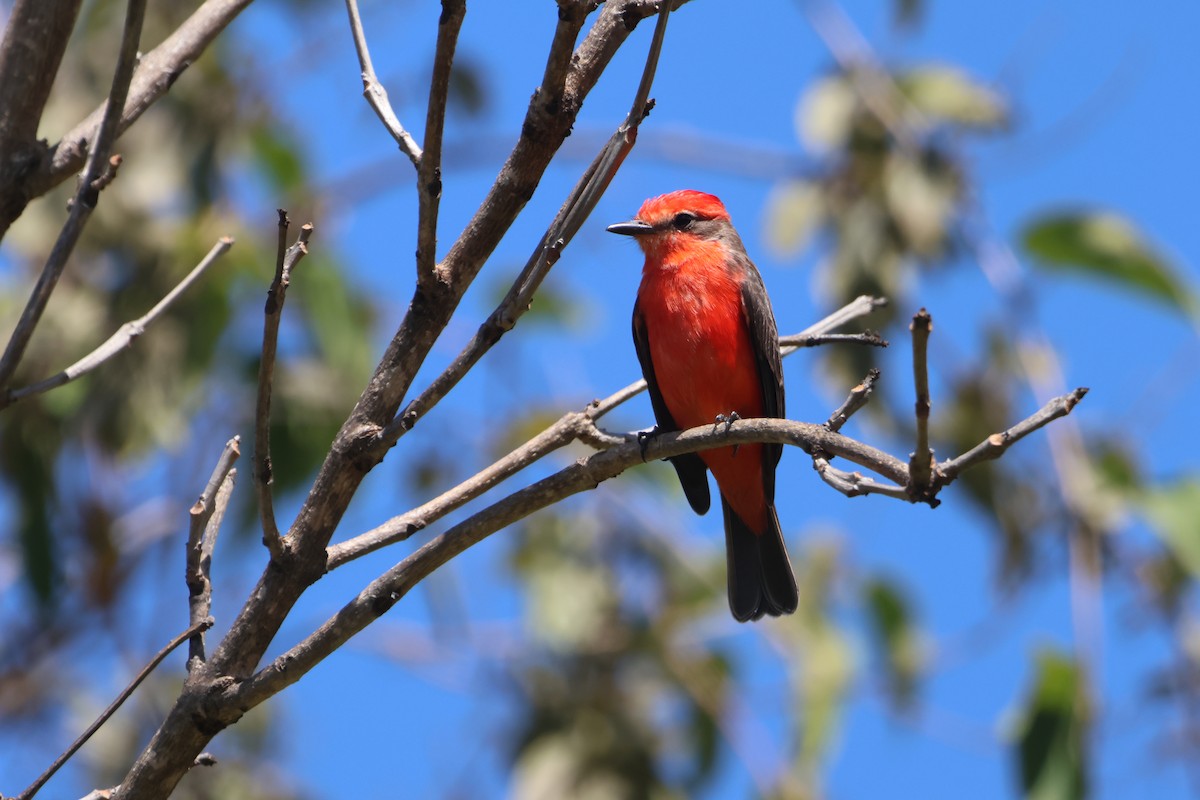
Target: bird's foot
[(644, 438), (727, 419)]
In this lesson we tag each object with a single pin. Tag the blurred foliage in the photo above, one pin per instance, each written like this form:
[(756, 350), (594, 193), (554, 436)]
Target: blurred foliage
[(1052, 732), (1109, 247)]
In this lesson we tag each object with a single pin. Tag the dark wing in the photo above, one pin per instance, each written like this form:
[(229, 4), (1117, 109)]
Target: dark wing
[(691, 470), (764, 338)]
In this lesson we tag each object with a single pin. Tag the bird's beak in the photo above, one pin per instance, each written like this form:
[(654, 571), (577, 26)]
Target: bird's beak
[(634, 227)]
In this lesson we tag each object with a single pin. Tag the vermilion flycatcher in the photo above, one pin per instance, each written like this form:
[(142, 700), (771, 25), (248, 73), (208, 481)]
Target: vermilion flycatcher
[(709, 349)]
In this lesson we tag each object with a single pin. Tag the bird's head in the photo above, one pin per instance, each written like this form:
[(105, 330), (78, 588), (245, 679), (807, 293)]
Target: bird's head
[(676, 221)]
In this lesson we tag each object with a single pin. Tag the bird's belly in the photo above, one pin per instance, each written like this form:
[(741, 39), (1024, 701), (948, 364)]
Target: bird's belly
[(704, 361), (705, 366)]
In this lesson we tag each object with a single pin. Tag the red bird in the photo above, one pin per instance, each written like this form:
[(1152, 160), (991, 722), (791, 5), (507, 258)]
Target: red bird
[(709, 349)]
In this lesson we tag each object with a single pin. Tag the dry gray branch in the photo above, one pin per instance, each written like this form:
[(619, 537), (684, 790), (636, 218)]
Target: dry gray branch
[(156, 72), (85, 198), (429, 169), (857, 398), (35, 40), (205, 518), (191, 631), (921, 461), (374, 92), (286, 258), (125, 336)]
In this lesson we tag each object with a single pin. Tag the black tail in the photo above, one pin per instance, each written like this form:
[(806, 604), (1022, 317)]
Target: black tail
[(760, 574)]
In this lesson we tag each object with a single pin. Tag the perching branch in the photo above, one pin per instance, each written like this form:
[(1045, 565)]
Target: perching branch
[(126, 335), (619, 454), (374, 92), (86, 196), (573, 426), (570, 218), (205, 517), (191, 631), (286, 259)]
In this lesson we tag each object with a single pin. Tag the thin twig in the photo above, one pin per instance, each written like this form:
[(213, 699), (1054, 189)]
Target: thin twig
[(286, 258), (36, 786), (205, 518), (374, 92), (86, 196), (570, 218), (126, 335), (857, 398), (855, 484), (921, 462), (995, 445), (429, 169), (869, 338), (855, 309)]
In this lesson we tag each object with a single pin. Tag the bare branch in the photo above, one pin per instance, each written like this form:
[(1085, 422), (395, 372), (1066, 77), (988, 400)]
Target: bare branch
[(36, 786), (156, 72), (586, 473), (858, 398), (86, 196), (854, 484), (374, 92), (205, 518), (921, 461), (286, 258), (126, 335), (35, 40), (429, 170), (566, 430), (995, 445), (868, 338), (570, 218)]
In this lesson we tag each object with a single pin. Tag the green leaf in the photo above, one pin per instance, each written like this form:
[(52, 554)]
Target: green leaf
[(1052, 733), (1174, 514), (895, 637), (1105, 245), (948, 94)]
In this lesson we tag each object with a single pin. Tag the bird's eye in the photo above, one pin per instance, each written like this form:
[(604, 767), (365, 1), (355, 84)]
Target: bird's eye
[(683, 220)]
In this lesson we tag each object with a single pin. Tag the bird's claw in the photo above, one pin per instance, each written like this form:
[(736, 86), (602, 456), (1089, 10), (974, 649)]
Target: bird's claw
[(727, 419), (644, 438)]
